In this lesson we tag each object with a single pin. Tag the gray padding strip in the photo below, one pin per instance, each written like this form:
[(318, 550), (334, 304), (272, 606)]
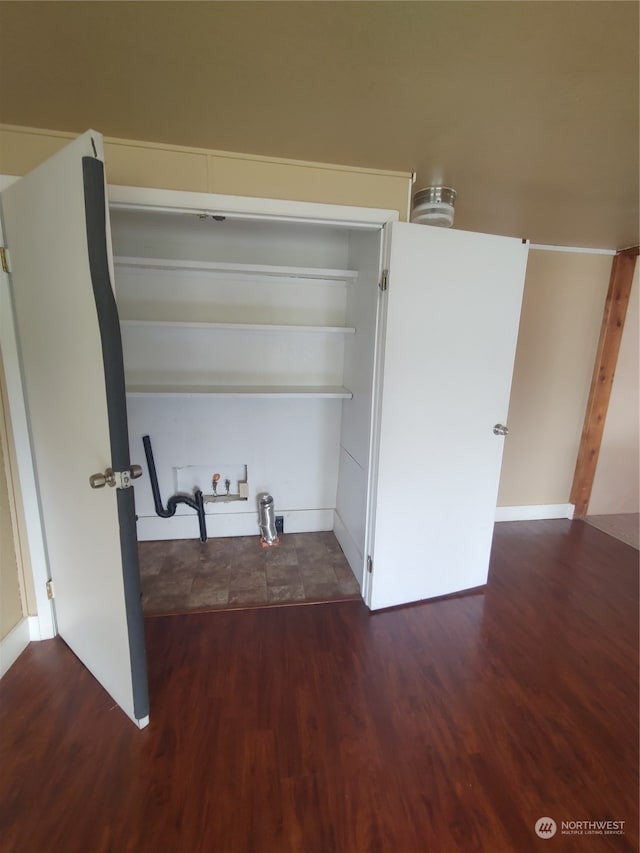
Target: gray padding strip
[(109, 323)]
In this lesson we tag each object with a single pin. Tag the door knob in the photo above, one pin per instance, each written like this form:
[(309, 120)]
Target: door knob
[(500, 429), (98, 481), (121, 479)]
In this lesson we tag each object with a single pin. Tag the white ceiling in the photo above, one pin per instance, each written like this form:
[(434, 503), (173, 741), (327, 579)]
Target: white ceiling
[(528, 109)]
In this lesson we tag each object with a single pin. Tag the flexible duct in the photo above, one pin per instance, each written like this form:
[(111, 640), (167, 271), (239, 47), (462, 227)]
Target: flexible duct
[(267, 520)]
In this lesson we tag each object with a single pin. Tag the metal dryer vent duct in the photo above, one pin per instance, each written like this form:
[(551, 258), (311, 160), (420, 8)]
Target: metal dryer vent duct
[(266, 518), (434, 206)]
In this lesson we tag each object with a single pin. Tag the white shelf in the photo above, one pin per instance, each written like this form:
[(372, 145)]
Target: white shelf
[(240, 327), (331, 392), (311, 275), (222, 499)]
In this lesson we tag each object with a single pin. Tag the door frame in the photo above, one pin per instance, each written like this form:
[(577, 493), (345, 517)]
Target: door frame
[(176, 201), (43, 626), (248, 207)]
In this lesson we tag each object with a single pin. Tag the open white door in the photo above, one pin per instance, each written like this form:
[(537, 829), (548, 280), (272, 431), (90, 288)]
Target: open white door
[(452, 314), (69, 340)]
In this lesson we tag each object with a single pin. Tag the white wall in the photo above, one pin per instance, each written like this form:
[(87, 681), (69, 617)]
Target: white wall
[(290, 447)]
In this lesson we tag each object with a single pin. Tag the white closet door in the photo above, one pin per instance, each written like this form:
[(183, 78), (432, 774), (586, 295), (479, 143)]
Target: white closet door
[(69, 342), (453, 307)]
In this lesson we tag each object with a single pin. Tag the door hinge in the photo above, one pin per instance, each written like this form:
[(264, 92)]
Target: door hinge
[(50, 591), (369, 565), (4, 259), (384, 281)]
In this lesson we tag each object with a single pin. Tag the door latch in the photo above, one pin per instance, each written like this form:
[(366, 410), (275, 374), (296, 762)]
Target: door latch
[(119, 479)]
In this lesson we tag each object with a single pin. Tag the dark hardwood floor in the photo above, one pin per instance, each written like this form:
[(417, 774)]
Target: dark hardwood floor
[(448, 726)]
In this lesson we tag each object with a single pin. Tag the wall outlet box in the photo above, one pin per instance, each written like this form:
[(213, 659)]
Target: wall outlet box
[(243, 490)]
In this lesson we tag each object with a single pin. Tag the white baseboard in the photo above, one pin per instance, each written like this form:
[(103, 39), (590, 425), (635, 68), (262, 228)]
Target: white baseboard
[(534, 513), (351, 550), (153, 528), (35, 633), (13, 645)]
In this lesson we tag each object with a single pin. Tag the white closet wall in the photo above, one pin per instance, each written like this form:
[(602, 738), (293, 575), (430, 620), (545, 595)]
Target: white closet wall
[(355, 453), (242, 343)]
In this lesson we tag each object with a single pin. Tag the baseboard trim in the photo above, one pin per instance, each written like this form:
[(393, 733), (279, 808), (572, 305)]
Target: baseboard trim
[(154, 528), (534, 513), (35, 634), (12, 646)]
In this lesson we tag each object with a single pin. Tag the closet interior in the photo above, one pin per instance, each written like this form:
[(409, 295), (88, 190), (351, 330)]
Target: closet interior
[(249, 350)]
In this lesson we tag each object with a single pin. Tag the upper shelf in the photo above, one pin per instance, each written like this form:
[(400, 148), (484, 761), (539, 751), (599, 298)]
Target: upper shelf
[(335, 392), (240, 327), (312, 275)]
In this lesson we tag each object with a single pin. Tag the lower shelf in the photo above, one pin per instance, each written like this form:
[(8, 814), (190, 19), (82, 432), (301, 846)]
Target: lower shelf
[(222, 499), (335, 392)]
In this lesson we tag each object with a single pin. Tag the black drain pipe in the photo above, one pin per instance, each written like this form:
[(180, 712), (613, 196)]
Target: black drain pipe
[(196, 502)]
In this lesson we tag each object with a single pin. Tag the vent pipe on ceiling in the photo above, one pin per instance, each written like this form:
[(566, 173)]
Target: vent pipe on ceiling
[(434, 206)]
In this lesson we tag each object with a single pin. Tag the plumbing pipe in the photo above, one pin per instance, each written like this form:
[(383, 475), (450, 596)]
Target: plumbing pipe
[(196, 502)]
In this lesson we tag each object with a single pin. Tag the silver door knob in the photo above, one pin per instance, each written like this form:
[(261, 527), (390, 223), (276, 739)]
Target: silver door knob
[(500, 429), (98, 481)]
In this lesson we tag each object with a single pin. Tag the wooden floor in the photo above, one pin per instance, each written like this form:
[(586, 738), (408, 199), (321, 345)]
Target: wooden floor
[(449, 726)]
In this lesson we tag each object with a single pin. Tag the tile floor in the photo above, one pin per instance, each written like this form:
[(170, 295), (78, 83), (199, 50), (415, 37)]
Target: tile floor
[(185, 575)]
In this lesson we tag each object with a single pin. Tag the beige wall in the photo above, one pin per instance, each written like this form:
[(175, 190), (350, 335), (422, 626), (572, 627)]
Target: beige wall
[(12, 606), (11, 609), (564, 298), (143, 164), (615, 488)]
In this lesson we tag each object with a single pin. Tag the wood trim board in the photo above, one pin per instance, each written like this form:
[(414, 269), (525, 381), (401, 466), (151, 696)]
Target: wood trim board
[(615, 311)]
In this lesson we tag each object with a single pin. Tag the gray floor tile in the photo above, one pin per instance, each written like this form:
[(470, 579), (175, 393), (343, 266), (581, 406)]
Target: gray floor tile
[(286, 592), (255, 595), (183, 575)]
